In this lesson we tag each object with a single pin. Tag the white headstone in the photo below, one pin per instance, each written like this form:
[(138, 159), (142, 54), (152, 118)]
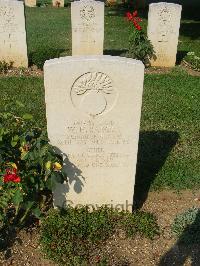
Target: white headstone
[(163, 32), (93, 117), (87, 18), (13, 46), (30, 3)]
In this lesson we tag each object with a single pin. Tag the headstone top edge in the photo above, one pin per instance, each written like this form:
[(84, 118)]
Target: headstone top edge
[(87, 2), (165, 3), (81, 1), (93, 58)]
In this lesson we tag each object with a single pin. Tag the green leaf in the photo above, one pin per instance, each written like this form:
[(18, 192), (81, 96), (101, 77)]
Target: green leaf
[(16, 137), (14, 140), (32, 179), (24, 156), (56, 177), (27, 116), (13, 143), (1, 180), (28, 204), (18, 197), (37, 212), (49, 183)]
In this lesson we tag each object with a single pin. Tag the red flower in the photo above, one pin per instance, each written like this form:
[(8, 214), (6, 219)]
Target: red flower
[(129, 16), (138, 27), (134, 19), (135, 13), (11, 176)]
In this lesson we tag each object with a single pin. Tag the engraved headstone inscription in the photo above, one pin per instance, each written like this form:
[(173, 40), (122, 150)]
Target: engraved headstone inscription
[(13, 46), (163, 32), (87, 27), (93, 116)]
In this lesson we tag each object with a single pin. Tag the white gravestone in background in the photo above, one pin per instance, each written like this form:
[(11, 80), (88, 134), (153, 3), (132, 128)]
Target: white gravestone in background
[(87, 18), (30, 3), (163, 32), (93, 106), (13, 46)]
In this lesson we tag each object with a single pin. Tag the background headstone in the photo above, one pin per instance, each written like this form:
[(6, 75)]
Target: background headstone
[(30, 3), (163, 32), (93, 117), (87, 18), (58, 3), (13, 46)]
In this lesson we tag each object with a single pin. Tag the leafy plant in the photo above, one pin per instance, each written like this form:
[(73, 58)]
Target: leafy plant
[(4, 66), (69, 236), (193, 60), (139, 46), (142, 222), (41, 55), (186, 226), (43, 3), (29, 169)]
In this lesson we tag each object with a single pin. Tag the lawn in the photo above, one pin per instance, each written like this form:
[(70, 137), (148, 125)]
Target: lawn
[(169, 139), (49, 32)]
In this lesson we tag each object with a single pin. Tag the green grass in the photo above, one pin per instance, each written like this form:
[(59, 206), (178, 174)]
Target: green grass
[(169, 141), (170, 113), (49, 32), (29, 91)]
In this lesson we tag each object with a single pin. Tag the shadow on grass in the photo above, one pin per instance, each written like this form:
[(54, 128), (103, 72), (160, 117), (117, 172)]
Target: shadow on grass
[(187, 246), (153, 150), (191, 30), (118, 10), (113, 52), (191, 13), (179, 56)]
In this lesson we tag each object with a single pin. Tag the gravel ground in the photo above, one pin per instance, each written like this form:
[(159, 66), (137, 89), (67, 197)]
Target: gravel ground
[(163, 250)]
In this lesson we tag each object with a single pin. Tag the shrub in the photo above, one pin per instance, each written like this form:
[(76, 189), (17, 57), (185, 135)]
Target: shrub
[(193, 60), (29, 167), (186, 226), (4, 66), (139, 46), (43, 3), (69, 236), (42, 54)]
